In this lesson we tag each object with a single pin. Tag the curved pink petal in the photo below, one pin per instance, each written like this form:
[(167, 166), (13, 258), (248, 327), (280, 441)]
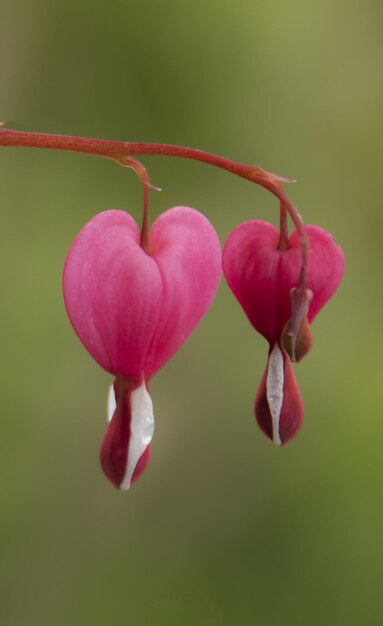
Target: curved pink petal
[(261, 276), (113, 293), (187, 252), (325, 266)]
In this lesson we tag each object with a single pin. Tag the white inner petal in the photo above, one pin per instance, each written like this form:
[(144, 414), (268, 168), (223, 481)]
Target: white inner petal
[(111, 404), (141, 430), (274, 390)]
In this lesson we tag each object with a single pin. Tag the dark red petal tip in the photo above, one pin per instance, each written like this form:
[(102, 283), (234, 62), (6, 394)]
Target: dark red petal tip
[(279, 407), (125, 449)]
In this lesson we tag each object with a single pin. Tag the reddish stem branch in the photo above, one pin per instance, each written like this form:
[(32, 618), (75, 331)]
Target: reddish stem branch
[(143, 175), (120, 150)]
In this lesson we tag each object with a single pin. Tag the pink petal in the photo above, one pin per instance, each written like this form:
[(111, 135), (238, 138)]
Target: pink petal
[(113, 292), (325, 266), (251, 264), (186, 249)]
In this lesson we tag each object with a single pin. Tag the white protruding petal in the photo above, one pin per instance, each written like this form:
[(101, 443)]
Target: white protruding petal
[(274, 390), (111, 404), (141, 430)]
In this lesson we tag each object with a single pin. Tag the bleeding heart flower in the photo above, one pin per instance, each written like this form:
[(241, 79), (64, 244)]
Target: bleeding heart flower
[(133, 311), (265, 280)]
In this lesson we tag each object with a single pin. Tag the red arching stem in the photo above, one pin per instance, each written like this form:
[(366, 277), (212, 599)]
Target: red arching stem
[(120, 150)]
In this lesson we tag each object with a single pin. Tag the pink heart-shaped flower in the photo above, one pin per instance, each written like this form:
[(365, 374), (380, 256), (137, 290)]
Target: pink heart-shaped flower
[(265, 280), (133, 311)]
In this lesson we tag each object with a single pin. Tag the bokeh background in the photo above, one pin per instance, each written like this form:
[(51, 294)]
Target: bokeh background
[(222, 529)]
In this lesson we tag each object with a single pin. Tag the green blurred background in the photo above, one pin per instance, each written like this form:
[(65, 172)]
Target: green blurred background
[(222, 529)]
